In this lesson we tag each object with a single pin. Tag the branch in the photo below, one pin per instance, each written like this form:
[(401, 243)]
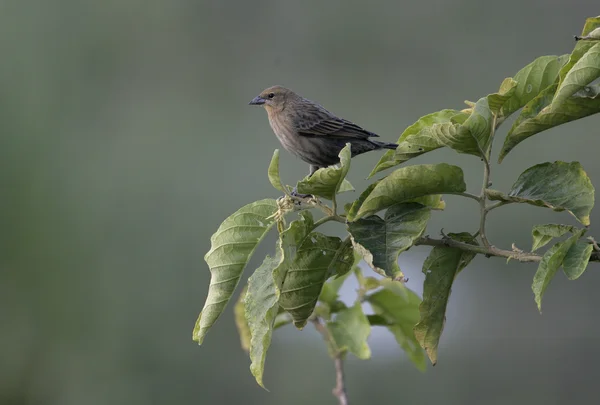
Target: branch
[(340, 390), (489, 251), (467, 195)]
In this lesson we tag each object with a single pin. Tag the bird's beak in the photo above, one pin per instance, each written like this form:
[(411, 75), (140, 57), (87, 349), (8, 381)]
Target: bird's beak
[(258, 100)]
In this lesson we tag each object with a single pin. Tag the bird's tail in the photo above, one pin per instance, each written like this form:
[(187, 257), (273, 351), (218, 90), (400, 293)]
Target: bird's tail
[(385, 145)]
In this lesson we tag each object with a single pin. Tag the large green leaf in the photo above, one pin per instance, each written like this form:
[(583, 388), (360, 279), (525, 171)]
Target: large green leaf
[(317, 259), (241, 323), (273, 172), (531, 80), (551, 262), (350, 331), (261, 306), (583, 72), (329, 181), (231, 248), (559, 186), (581, 47), (380, 241), (441, 268), (542, 234), (264, 290), (423, 136), (537, 116), (408, 183), (577, 259), (400, 310)]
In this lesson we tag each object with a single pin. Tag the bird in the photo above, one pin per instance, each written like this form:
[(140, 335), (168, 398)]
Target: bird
[(307, 130)]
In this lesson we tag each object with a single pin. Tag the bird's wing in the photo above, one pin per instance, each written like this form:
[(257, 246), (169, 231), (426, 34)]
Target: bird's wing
[(317, 121)]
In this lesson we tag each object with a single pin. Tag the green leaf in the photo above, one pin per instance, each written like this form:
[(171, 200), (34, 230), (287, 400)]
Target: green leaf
[(317, 259), (497, 100), (380, 241), (274, 178), (577, 259), (329, 294), (542, 234), (551, 261), (241, 324), (537, 116), (408, 183), (350, 331), (592, 36), (281, 320), (419, 138), (583, 72), (531, 80), (441, 268), (261, 306), (559, 186), (329, 181), (401, 313), (355, 206), (581, 47), (231, 247)]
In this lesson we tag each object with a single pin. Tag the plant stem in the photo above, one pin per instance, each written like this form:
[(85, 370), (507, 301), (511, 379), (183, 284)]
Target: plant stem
[(486, 183), (467, 195), (482, 250), (329, 218), (489, 251), (496, 205), (334, 204), (340, 390)]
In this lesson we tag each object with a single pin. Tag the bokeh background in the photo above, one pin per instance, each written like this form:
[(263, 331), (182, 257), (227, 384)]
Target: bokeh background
[(126, 138)]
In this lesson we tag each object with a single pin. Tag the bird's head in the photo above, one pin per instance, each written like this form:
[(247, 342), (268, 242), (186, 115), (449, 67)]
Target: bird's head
[(273, 98)]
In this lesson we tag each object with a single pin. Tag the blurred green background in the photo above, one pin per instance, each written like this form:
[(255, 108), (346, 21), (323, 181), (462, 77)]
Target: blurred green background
[(126, 139)]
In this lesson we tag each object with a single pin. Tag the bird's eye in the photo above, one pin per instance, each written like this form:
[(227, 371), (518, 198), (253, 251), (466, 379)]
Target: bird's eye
[(271, 95)]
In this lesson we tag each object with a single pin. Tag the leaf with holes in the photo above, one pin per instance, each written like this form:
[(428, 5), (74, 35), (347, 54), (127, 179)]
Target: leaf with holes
[(441, 268), (231, 247), (531, 80), (559, 186), (380, 241)]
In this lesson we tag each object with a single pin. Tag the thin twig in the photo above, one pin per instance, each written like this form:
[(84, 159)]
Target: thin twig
[(482, 250), (496, 205), (486, 183), (518, 254), (329, 218), (340, 390), (467, 195)]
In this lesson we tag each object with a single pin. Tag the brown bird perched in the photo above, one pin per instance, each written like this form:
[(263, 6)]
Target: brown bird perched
[(311, 132)]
